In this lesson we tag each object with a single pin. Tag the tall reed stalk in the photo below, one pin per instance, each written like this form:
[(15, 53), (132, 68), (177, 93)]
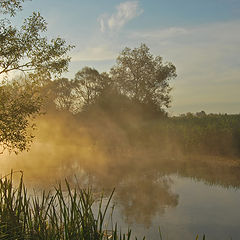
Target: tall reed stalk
[(64, 214)]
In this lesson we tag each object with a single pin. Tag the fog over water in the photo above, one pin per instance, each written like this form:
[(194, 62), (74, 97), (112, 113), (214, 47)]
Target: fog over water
[(156, 185)]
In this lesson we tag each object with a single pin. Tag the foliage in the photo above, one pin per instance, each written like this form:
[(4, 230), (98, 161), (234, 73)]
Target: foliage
[(170, 137), (19, 103), (10, 6), (143, 77), (89, 84), (66, 213), (61, 93), (214, 134), (138, 77), (209, 135), (26, 50), (79, 93), (200, 133)]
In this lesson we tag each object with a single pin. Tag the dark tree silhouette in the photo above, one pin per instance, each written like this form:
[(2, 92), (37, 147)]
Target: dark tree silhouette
[(89, 84), (143, 77)]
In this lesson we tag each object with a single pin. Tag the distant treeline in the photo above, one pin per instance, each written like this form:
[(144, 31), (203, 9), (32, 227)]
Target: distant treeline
[(214, 134), (149, 127), (131, 99), (137, 78), (156, 132)]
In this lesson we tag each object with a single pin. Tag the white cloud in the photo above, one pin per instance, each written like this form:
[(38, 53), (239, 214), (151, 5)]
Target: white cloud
[(126, 11), (161, 34), (208, 52), (99, 53), (207, 62), (206, 57), (102, 22)]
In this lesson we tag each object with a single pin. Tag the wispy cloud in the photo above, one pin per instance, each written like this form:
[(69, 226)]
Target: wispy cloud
[(99, 53), (205, 50), (206, 57), (126, 11), (207, 61), (161, 34)]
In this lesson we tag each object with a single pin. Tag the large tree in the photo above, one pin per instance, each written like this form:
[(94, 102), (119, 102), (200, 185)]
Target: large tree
[(26, 50), (143, 77)]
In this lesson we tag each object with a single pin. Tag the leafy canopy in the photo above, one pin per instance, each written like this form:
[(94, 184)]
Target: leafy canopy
[(27, 50), (143, 77), (10, 6), (138, 80), (19, 103)]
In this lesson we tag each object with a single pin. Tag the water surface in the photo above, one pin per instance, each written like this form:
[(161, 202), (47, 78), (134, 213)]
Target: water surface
[(201, 208), (185, 196)]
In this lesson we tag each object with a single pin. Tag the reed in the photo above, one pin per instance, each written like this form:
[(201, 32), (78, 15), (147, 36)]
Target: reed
[(62, 214), (67, 213)]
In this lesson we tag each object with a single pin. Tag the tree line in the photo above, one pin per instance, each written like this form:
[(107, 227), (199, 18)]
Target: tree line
[(137, 78)]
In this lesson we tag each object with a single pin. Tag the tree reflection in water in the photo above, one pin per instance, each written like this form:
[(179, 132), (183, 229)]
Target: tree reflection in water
[(109, 157)]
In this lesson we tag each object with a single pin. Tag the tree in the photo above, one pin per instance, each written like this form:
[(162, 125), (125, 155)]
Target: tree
[(26, 50), (143, 77), (61, 93), (89, 84), (19, 103), (10, 6), (76, 94)]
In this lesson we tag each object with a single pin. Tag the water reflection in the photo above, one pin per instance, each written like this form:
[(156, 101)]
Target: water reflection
[(144, 187), (108, 157), (143, 198), (141, 195)]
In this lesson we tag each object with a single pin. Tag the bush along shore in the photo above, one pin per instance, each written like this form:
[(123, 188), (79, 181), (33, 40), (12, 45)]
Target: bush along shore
[(65, 214)]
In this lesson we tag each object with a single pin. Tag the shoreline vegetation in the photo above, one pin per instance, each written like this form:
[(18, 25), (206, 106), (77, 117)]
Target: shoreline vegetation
[(104, 144), (64, 213), (107, 149), (107, 142)]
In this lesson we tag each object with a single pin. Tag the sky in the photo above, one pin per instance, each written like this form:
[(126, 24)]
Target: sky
[(201, 38)]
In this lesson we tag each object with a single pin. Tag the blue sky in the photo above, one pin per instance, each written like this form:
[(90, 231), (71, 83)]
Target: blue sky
[(202, 38)]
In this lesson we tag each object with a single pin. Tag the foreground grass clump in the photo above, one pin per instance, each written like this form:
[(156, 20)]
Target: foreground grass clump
[(63, 214)]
